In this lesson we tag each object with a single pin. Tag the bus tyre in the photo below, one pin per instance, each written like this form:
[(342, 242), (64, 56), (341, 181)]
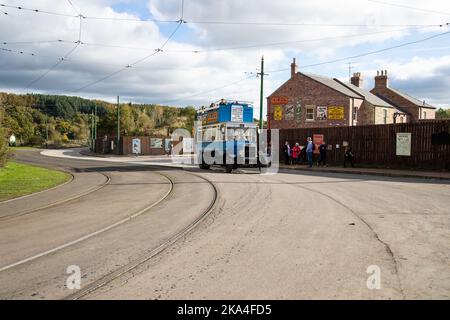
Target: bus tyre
[(204, 166), (228, 168)]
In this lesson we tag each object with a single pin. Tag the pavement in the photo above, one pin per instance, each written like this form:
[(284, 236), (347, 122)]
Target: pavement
[(292, 235), (445, 175)]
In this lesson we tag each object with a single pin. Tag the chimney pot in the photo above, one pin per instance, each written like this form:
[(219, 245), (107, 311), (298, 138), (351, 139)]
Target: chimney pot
[(356, 80), (294, 68), (381, 79)]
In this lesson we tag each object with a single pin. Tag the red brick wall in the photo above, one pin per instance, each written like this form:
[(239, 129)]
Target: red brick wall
[(305, 91)]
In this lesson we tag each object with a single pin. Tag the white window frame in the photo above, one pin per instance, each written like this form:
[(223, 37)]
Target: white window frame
[(312, 113)]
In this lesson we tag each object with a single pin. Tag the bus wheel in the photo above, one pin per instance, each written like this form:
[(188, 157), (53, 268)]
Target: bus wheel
[(229, 168), (204, 166)]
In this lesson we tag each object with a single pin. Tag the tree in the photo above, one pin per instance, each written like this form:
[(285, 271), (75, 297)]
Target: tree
[(3, 142), (443, 113)]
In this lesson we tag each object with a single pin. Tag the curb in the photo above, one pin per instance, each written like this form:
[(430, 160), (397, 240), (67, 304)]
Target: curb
[(383, 174)]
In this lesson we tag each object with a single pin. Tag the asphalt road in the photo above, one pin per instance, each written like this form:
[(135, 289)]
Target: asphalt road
[(149, 232)]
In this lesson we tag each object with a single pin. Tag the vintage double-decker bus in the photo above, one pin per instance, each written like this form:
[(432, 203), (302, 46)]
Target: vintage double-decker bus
[(228, 136)]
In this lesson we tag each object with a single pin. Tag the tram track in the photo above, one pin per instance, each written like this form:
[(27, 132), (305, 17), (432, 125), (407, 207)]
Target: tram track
[(121, 271), (94, 233)]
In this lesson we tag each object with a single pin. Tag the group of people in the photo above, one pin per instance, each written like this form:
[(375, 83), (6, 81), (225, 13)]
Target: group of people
[(297, 154)]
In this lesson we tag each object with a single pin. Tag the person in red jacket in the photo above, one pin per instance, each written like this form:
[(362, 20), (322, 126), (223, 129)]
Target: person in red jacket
[(296, 153)]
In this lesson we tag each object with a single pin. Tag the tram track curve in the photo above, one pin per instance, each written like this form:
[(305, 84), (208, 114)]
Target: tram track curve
[(121, 271)]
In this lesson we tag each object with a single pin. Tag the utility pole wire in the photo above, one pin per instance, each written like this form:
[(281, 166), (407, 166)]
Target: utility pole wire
[(39, 11), (210, 90), (409, 7), (73, 7), (370, 52), (156, 51), (254, 23), (77, 44), (221, 49)]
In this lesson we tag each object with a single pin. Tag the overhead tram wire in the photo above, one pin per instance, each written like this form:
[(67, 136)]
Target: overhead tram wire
[(39, 11), (410, 7), (61, 60), (156, 51), (302, 41), (369, 53), (311, 65), (210, 90), (73, 7), (254, 23), (221, 49)]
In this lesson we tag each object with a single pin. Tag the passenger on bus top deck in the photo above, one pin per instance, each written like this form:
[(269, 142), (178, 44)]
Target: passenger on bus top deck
[(222, 101)]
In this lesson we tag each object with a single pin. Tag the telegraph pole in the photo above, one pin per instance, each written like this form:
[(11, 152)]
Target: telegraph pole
[(92, 130), (118, 121), (261, 97), (95, 122)]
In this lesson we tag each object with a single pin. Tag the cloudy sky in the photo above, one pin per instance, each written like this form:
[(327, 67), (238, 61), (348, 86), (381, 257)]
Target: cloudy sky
[(213, 54)]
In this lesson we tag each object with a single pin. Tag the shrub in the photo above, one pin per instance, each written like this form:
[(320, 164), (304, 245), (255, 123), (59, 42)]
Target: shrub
[(4, 150), (36, 141)]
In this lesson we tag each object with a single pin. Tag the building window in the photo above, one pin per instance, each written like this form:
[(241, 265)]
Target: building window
[(424, 115), (309, 113), (384, 116)]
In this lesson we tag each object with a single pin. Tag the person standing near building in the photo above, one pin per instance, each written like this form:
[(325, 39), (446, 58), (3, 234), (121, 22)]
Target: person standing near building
[(309, 152), (323, 154), (296, 153), (287, 152), (349, 156)]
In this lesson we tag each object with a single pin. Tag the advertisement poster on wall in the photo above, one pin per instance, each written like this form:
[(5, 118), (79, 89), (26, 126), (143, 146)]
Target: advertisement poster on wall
[(335, 113), (289, 112), (277, 113), (156, 143), (322, 113), (136, 146), (279, 100), (403, 146), (317, 140)]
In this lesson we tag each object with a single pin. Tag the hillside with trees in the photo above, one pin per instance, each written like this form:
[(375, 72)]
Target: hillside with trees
[(61, 120)]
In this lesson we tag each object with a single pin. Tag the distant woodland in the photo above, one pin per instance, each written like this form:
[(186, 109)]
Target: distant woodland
[(65, 120)]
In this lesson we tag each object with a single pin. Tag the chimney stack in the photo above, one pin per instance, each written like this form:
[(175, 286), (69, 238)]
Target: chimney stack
[(381, 79), (357, 80), (294, 68)]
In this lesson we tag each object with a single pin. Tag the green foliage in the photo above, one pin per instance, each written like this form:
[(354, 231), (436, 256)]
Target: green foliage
[(32, 116), (443, 113), (3, 147)]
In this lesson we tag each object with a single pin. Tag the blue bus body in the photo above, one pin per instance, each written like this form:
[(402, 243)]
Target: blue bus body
[(228, 136)]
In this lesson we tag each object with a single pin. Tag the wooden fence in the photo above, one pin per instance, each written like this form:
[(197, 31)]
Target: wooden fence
[(375, 145)]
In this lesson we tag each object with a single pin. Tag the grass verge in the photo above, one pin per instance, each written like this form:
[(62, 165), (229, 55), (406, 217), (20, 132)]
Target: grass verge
[(17, 179)]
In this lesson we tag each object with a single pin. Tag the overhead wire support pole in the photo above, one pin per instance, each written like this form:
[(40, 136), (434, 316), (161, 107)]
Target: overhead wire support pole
[(261, 97), (118, 124)]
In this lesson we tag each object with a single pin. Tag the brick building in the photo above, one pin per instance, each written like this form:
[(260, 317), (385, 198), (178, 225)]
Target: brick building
[(413, 108), (307, 100)]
